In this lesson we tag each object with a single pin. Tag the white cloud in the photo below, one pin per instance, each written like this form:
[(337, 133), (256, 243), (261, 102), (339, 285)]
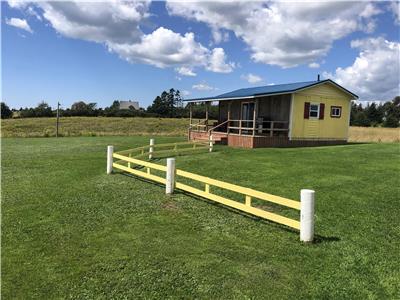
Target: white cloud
[(282, 33), (109, 22), (314, 65), (375, 73), (202, 87), (185, 71), (185, 93), (17, 4), (219, 35), (370, 10), (117, 25), (395, 8), (19, 23), (163, 48), (251, 78), (217, 62)]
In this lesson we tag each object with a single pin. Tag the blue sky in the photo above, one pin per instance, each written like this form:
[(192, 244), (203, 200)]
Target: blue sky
[(60, 52)]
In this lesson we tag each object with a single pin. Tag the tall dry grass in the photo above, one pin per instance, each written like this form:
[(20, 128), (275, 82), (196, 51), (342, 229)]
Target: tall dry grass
[(93, 126), (374, 134)]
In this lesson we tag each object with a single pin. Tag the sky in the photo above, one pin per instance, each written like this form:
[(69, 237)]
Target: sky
[(105, 51)]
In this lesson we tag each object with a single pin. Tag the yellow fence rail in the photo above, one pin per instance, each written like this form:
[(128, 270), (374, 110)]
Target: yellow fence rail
[(247, 192), (152, 150), (171, 181)]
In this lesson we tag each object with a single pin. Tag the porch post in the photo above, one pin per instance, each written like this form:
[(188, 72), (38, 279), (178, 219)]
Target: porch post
[(190, 113), (240, 117), (254, 116), (206, 112), (229, 116), (190, 120)]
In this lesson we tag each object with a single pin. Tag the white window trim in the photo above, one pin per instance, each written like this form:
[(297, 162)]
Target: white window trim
[(318, 111), (333, 108)]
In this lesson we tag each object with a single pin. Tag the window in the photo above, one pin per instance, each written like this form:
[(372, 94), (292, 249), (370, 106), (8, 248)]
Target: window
[(314, 110), (336, 111)]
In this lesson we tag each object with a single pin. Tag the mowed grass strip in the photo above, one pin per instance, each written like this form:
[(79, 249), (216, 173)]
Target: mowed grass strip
[(71, 231)]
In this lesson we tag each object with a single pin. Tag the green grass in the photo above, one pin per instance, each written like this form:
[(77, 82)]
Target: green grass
[(71, 231), (93, 126)]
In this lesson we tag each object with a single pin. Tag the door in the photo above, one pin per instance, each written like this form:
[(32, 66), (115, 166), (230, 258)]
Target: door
[(247, 115)]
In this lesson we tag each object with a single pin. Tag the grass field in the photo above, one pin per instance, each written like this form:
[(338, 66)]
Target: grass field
[(71, 231), (374, 134), (92, 126), (85, 126)]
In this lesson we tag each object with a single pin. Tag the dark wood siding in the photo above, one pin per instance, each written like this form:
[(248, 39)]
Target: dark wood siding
[(274, 108)]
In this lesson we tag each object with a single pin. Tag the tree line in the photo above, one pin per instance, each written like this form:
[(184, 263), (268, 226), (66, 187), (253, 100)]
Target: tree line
[(372, 115), (170, 105)]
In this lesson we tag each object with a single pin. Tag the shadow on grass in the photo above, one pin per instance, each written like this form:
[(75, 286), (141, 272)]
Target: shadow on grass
[(324, 146), (318, 239)]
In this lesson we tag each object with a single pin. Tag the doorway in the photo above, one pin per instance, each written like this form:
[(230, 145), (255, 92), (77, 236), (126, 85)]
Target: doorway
[(247, 114)]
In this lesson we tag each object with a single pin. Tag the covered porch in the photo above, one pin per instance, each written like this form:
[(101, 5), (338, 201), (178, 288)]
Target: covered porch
[(246, 122)]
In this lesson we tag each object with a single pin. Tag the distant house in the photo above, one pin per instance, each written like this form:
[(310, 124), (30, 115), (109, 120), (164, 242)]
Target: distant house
[(294, 114), (128, 104)]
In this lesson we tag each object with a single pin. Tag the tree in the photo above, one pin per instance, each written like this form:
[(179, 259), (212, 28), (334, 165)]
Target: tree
[(43, 110), (166, 104), (373, 114), (5, 111), (392, 113), (80, 108)]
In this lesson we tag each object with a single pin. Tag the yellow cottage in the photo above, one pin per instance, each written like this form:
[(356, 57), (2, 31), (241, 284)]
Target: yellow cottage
[(285, 115)]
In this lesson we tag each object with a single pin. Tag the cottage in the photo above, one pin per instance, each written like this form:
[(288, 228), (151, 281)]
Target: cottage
[(295, 114), (129, 104)]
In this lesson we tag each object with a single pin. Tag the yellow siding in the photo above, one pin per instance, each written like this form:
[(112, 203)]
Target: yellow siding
[(328, 128)]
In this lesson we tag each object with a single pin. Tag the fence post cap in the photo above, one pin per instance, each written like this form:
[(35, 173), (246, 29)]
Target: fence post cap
[(307, 191)]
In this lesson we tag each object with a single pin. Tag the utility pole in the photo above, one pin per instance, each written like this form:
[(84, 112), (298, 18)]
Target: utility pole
[(58, 118)]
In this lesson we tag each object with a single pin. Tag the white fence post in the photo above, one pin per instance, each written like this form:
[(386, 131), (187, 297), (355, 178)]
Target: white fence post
[(170, 180), (307, 199), (110, 150), (151, 149), (211, 143)]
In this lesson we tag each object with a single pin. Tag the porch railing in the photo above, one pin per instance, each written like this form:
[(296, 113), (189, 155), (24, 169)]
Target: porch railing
[(264, 128), (201, 125), (243, 127)]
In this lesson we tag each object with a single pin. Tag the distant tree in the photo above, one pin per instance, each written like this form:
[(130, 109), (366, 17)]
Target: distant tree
[(81, 108), (112, 110), (358, 116), (199, 110), (43, 110), (178, 99), (374, 114), (168, 104), (392, 113), (5, 111)]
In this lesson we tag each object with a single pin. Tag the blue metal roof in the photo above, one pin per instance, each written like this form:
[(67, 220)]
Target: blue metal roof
[(269, 90)]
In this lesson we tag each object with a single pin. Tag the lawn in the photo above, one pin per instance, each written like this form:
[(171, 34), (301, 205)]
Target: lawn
[(71, 231)]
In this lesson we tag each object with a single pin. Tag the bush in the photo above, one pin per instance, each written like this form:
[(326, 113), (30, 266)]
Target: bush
[(6, 112)]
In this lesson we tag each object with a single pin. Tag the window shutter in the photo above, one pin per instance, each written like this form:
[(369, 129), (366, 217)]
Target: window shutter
[(306, 110), (321, 111)]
